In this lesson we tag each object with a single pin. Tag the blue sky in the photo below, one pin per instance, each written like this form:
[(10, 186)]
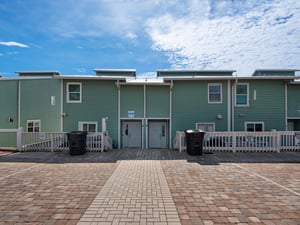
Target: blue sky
[(75, 37)]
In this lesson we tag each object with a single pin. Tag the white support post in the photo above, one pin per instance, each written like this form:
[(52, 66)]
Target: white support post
[(102, 142), (19, 138), (278, 142), (52, 142), (233, 142)]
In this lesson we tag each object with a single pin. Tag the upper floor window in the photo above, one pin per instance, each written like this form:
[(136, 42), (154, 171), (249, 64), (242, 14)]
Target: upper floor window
[(88, 126), (33, 125), (74, 92), (214, 93), (242, 95)]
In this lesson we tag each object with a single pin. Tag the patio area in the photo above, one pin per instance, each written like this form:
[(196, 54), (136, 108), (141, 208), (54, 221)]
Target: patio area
[(161, 187)]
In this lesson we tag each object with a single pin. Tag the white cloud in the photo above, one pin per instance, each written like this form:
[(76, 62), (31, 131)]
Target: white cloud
[(266, 36), (13, 43)]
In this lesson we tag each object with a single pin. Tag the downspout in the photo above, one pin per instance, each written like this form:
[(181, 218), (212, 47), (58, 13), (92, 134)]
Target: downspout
[(228, 105), (61, 106), (19, 103), (170, 114), (233, 104), (285, 106), (144, 123), (119, 115)]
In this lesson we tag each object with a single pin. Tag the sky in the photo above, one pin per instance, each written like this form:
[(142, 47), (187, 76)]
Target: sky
[(75, 37)]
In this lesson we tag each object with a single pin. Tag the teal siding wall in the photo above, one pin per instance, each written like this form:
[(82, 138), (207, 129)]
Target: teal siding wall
[(132, 99), (190, 105), (158, 101), (9, 104), (99, 99), (269, 106), (293, 95), (9, 108), (36, 103)]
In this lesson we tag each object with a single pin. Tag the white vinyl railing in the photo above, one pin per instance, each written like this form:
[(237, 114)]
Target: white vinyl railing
[(58, 141), (245, 141)]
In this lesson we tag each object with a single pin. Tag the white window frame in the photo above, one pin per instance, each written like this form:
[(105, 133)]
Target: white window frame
[(80, 92), (38, 122), (82, 123), (206, 124), (208, 93), (255, 123), (247, 100)]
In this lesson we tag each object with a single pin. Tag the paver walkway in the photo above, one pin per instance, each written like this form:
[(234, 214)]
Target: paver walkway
[(136, 193)]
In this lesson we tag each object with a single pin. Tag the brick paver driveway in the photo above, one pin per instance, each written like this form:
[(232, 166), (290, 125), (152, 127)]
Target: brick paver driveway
[(219, 188)]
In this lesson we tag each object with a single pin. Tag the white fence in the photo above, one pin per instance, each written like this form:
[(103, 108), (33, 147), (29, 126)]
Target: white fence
[(58, 141), (245, 141)]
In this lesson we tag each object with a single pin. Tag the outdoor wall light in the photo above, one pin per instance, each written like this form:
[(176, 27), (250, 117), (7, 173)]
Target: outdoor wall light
[(241, 114), (63, 114), (10, 120), (219, 117)]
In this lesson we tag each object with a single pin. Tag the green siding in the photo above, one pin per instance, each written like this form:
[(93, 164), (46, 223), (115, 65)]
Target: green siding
[(190, 105), (158, 98), (36, 103), (293, 95), (99, 99), (132, 99), (9, 104), (269, 106)]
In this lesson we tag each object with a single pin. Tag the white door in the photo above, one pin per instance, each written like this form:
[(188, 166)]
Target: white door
[(158, 134), (131, 134)]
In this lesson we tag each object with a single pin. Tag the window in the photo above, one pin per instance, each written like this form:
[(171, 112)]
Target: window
[(209, 127), (88, 126), (242, 95), (33, 125), (254, 126), (74, 92), (214, 93)]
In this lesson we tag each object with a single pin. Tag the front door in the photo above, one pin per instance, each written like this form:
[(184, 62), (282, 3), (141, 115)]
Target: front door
[(132, 134), (158, 134)]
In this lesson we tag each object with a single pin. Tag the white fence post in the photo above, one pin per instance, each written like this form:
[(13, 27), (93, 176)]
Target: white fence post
[(233, 142), (102, 142), (19, 138), (278, 142)]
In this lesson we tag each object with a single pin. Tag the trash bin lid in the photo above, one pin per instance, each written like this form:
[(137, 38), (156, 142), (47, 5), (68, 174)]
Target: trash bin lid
[(194, 131)]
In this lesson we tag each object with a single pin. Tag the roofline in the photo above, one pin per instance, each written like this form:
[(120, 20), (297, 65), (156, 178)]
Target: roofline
[(37, 71), (274, 70), (199, 78), (195, 71), (229, 78), (91, 77), (115, 70)]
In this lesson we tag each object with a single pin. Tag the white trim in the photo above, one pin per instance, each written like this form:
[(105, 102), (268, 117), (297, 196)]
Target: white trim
[(119, 116), (228, 106), (206, 124), (248, 97), (34, 121), (170, 114), (61, 106), (19, 104), (80, 92), (81, 123), (254, 122), (285, 106), (221, 96)]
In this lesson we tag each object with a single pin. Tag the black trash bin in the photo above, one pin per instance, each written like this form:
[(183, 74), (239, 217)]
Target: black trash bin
[(194, 140), (77, 142)]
